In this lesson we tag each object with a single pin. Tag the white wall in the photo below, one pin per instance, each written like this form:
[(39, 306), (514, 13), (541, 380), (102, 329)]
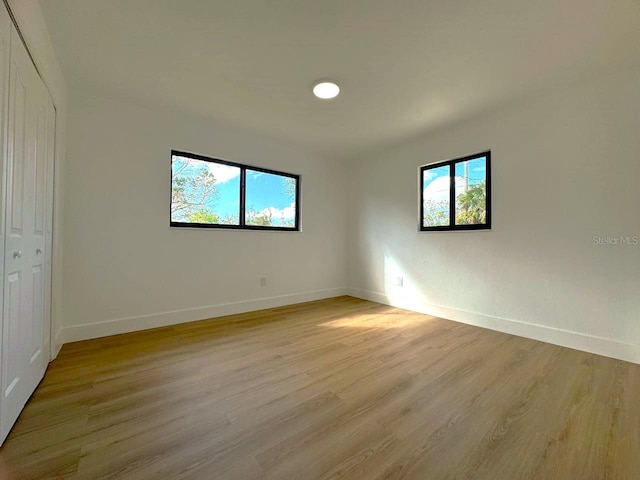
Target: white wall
[(125, 269), (33, 28), (566, 167)]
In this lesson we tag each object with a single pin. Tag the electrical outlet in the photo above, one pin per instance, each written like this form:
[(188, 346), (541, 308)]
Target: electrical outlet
[(399, 281), (263, 281)]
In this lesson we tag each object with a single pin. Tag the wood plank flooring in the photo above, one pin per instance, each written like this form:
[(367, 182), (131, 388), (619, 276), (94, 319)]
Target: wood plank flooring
[(334, 389)]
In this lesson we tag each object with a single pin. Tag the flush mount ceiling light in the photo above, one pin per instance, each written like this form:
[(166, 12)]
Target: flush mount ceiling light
[(326, 90)]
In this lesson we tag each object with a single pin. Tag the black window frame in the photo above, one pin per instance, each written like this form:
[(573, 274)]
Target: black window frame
[(242, 213), (452, 204)]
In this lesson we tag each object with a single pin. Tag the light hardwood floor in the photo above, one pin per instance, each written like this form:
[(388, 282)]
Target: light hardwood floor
[(335, 389)]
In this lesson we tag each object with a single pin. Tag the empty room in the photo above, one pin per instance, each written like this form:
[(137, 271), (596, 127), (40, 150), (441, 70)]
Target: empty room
[(303, 240)]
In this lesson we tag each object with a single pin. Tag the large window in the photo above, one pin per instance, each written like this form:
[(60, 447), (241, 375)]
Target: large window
[(211, 193), (456, 194)]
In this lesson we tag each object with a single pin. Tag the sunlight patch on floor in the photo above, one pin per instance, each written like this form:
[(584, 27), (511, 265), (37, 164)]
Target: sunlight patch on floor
[(380, 321)]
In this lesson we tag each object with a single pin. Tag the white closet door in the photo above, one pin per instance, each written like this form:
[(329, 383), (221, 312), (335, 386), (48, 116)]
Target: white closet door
[(24, 346), (48, 247), (5, 34), (13, 334), (37, 348)]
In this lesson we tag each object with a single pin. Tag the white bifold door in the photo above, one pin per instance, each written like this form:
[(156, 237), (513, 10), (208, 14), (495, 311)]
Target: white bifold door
[(27, 141)]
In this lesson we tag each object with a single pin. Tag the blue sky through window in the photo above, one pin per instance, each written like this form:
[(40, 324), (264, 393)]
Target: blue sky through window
[(268, 195), (270, 198), (436, 184)]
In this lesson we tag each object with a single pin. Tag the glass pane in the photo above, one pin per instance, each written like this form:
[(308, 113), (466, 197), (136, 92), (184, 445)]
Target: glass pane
[(471, 192), (204, 192), (435, 194), (270, 200)]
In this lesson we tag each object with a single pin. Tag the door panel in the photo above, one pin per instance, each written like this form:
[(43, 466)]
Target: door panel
[(37, 302), (12, 351), (17, 151), (41, 171)]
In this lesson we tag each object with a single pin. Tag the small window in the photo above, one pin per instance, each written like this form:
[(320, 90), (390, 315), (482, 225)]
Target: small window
[(211, 193), (456, 194)]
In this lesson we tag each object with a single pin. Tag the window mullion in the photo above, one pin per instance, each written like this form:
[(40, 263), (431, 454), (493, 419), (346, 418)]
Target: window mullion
[(452, 195), (243, 176)]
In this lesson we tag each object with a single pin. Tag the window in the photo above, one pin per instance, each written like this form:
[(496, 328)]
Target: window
[(456, 194), (211, 193)]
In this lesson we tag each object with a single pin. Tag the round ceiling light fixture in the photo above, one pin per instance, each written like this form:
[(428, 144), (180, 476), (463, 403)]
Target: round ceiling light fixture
[(326, 90)]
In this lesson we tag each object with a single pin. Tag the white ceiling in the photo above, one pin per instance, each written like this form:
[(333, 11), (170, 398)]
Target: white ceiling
[(405, 66)]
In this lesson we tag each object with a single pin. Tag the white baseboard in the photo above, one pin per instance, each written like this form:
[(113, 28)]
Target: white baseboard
[(566, 338), (143, 322)]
